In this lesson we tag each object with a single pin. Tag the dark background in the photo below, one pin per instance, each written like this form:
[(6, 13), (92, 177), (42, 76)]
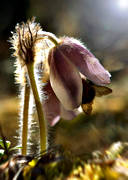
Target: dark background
[(103, 26)]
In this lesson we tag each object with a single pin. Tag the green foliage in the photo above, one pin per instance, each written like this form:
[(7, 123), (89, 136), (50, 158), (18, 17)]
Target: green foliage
[(6, 149), (2, 144)]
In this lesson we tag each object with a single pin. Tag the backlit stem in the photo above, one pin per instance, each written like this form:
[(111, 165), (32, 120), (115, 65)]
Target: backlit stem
[(42, 123), (25, 119), (50, 37)]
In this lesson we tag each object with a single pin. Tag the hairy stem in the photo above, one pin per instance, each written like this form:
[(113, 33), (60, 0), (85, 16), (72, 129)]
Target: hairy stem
[(42, 123), (52, 38), (25, 119)]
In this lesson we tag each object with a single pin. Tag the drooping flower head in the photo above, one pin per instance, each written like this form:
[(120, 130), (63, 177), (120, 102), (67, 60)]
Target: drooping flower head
[(71, 63)]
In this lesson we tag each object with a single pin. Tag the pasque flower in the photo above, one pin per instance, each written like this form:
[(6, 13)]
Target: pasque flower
[(70, 63), (58, 68)]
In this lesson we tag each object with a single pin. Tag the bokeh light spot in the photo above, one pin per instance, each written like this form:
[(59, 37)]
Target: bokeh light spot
[(123, 4)]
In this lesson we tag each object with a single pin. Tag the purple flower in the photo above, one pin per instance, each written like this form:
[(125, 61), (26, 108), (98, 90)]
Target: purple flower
[(68, 62)]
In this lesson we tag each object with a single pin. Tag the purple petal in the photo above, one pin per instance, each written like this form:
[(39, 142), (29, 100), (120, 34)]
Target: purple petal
[(65, 80), (96, 72), (68, 115), (85, 61), (51, 105)]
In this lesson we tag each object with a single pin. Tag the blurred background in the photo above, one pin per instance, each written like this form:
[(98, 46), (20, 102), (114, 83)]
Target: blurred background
[(103, 26)]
